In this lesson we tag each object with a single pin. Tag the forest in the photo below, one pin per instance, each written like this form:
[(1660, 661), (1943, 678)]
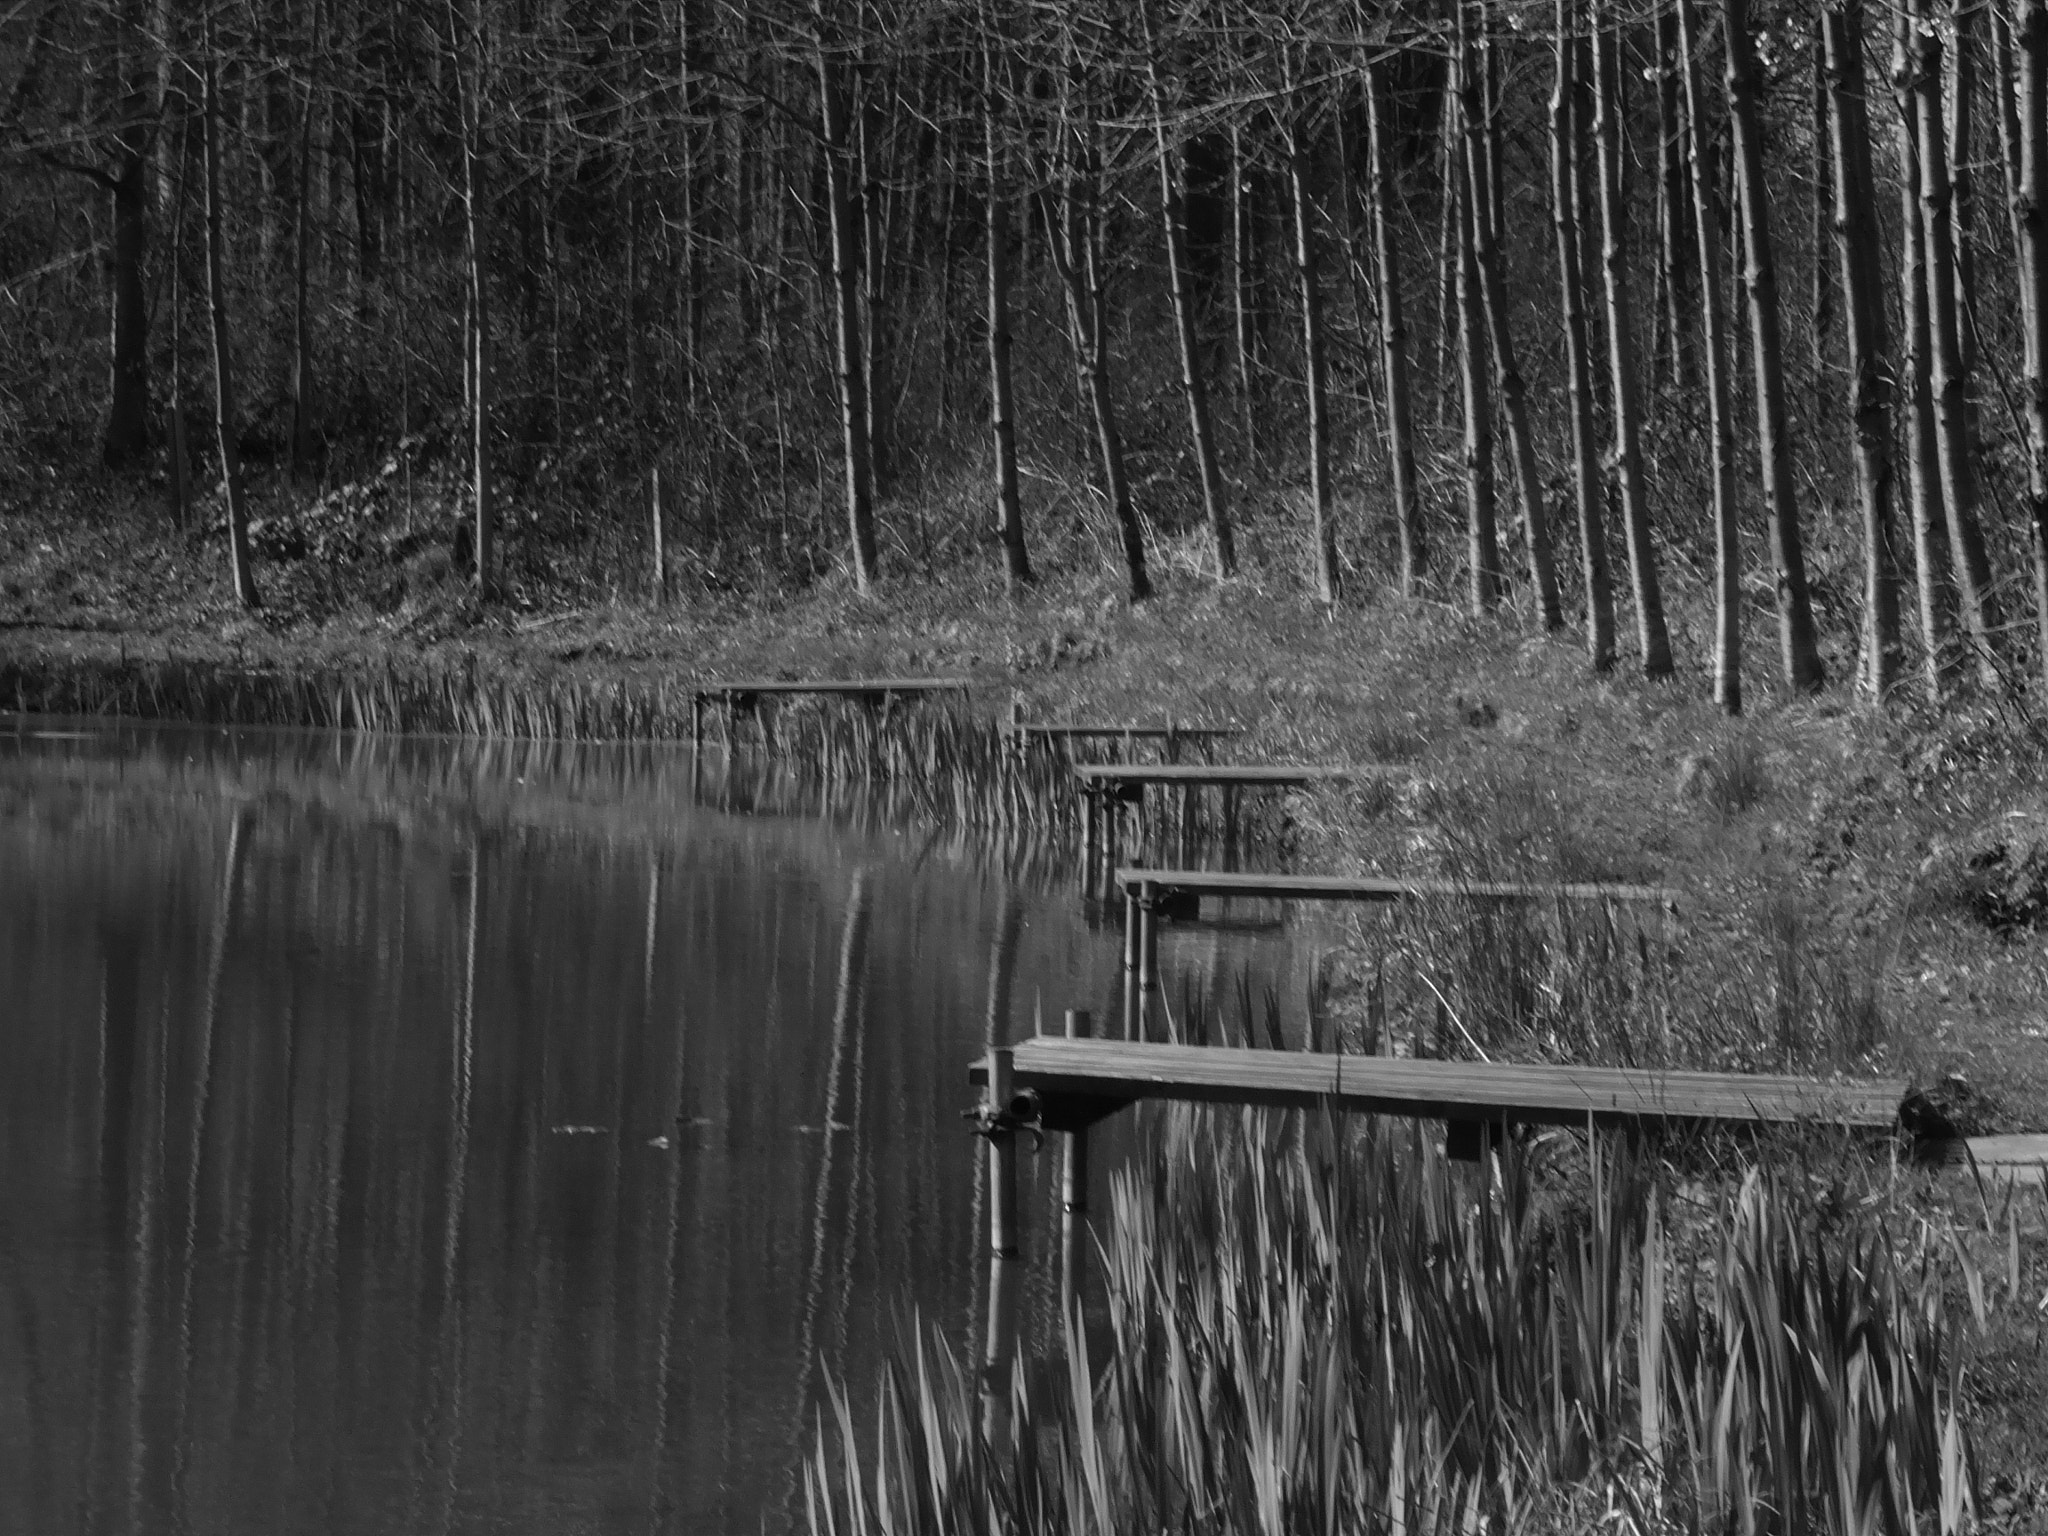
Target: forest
[(1710, 329)]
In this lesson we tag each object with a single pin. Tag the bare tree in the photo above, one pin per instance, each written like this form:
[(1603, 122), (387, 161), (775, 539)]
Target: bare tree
[(1651, 634), (835, 112), (1715, 354), (1394, 351), (1796, 638), (1856, 243), (2030, 32), (227, 423)]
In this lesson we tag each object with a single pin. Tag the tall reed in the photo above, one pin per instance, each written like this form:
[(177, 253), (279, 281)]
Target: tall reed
[(1314, 1331)]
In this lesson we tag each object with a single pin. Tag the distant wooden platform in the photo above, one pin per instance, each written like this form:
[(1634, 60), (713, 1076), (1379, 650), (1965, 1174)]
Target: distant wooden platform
[(1101, 776), (742, 695), (1163, 884), (1052, 732), (862, 687), (1079, 1081)]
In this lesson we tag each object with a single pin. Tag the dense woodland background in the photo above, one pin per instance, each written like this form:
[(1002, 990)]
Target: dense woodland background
[(1666, 320)]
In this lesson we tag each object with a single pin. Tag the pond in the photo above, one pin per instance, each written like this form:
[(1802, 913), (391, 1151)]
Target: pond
[(413, 1136)]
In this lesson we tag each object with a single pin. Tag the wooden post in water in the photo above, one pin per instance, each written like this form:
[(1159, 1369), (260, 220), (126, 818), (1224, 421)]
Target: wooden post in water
[(1148, 956), (696, 723), (1130, 963), (1074, 1194), (1004, 1254), (1112, 830), (1091, 808)]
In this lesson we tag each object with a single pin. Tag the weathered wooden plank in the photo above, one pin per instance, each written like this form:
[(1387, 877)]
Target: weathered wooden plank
[(1208, 882), (1106, 1072), (1276, 774)]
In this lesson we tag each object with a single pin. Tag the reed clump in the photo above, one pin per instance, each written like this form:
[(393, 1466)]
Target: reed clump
[(1307, 1330)]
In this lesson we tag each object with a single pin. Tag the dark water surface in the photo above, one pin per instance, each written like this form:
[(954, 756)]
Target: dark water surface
[(414, 1137)]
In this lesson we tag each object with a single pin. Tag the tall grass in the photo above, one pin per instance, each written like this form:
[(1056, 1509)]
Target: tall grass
[(1314, 1332)]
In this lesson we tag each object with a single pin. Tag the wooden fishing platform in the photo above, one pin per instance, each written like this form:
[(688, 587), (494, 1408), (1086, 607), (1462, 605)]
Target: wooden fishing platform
[(1162, 885), (743, 695), (1152, 894), (1079, 1081), (1107, 787)]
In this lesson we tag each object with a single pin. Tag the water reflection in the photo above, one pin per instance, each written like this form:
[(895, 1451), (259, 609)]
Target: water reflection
[(410, 1137)]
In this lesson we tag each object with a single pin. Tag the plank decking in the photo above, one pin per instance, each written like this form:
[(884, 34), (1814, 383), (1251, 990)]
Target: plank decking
[(1078, 1081)]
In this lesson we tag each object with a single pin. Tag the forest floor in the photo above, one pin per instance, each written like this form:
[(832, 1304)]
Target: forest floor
[(1895, 860)]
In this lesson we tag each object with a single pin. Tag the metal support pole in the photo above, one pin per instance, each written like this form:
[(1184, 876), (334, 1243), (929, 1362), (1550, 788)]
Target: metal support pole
[(1074, 1194), (1004, 1254)]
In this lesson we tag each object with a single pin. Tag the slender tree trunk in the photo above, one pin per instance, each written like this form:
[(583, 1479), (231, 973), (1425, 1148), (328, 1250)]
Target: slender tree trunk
[(1959, 100), (125, 440), (1243, 297), (1314, 367), (2031, 34), (1673, 203), (1651, 634), (223, 369), (1719, 371), (1932, 562), (1801, 652), (477, 237), (1950, 386), (1482, 543), (1194, 385), (846, 260), (1566, 135), (1394, 346), (303, 446), (1002, 404), (181, 457), (1823, 325), (2005, 105), (1507, 375), (1870, 405)]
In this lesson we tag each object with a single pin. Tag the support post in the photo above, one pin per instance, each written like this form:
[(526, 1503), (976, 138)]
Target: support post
[(696, 723), (1130, 961), (1090, 843), (1074, 1196), (1148, 956), (1004, 1252), (1112, 830)]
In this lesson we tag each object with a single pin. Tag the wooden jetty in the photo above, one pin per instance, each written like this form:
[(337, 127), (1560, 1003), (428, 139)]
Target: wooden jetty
[(743, 695), (1151, 893), (1066, 1085), (1105, 787)]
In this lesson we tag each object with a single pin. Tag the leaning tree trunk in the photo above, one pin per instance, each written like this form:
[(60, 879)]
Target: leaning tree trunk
[(1870, 406), (2005, 65), (1314, 367), (1514, 395), (1799, 646), (1074, 243), (1394, 346), (1194, 383), (1567, 123), (1950, 384), (1651, 633), (1002, 403), (1482, 542), (1930, 526), (223, 369), (850, 371), (1243, 300), (302, 445), (2031, 33), (1715, 354)]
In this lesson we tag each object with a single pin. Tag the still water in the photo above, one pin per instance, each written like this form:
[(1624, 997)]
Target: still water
[(410, 1137)]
